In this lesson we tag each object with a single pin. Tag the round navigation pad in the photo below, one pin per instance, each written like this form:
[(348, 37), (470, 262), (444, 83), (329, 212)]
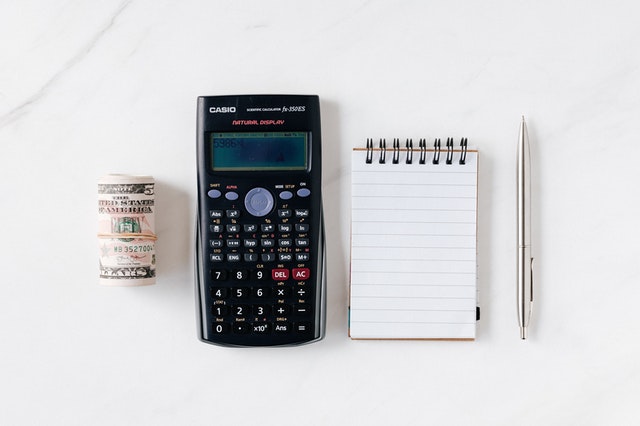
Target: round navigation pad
[(258, 202)]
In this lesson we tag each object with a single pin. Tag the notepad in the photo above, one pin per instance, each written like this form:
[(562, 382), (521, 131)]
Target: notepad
[(413, 243)]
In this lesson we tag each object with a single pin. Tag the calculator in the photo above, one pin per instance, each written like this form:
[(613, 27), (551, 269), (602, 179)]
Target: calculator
[(260, 250)]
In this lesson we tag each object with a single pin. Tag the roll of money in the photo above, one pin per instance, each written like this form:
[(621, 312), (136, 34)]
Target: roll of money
[(126, 230)]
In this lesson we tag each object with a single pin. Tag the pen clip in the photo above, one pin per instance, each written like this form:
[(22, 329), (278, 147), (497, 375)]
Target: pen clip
[(532, 275)]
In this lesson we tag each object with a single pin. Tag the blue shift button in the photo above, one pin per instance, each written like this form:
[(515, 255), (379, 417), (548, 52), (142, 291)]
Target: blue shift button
[(214, 193), (304, 192), (258, 202), (231, 196), (286, 195)]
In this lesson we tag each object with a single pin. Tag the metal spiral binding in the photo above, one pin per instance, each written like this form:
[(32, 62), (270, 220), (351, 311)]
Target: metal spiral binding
[(396, 151), (449, 151), (436, 154), (463, 148), (409, 146), (423, 151), (422, 144)]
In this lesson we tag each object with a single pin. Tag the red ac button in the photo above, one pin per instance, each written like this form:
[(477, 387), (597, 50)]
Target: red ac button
[(301, 274)]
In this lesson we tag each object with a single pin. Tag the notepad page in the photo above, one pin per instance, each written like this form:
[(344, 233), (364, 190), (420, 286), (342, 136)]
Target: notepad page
[(413, 249)]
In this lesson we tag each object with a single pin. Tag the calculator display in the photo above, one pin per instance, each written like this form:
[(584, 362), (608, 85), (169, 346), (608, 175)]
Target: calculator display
[(259, 151)]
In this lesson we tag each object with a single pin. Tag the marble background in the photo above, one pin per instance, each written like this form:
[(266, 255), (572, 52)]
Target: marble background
[(89, 88)]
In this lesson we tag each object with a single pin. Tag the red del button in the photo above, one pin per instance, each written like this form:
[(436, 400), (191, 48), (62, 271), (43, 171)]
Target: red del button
[(300, 274), (280, 274)]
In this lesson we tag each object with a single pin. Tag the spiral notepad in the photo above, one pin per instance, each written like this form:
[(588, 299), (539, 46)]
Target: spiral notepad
[(413, 241)]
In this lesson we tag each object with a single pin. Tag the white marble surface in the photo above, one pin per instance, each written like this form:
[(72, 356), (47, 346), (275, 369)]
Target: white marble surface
[(89, 88)]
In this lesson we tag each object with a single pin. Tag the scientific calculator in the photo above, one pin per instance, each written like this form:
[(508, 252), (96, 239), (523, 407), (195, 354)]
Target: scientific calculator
[(260, 264)]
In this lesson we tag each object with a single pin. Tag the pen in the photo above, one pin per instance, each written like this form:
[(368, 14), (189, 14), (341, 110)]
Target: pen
[(525, 261)]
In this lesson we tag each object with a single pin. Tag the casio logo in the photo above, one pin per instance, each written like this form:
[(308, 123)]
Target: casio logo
[(214, 110)]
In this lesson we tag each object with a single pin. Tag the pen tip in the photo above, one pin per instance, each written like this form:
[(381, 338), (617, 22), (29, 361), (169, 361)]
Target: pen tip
[(523, 118)]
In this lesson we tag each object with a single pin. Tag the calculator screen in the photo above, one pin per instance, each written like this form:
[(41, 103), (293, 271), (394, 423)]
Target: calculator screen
[(275, 151)]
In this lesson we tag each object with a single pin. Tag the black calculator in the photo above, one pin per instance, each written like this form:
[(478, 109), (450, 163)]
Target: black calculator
[(260, 264)]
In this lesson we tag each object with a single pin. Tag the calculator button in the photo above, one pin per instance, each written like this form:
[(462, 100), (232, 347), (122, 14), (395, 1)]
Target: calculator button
[(220, 328), (284, 227), (303, 292), (219, 274), (240, 310), (219, 293), (302, 227), (303, 192), (250, 243), (240, 274), (279, 274), (231, 196), (302, 242), (261, 292), (282, 291), (302, 212), (214, 193), (285, 257), (251, 257), (301, 274), (233, 228), (302, 309), (250, 228), (282, 213), (261, 327), (233, 257), (259, 275), (282, 327), (303, 327), (261, 310), (282, 310), (215, 214), (240, 293), (241, 327), (302, 257), (268, 257), (267, 227), (220, 310), (267, 242), (215, 243), (285, 242), (286, 195), (233, 214), (216, 257), (215, 228), (233, 243), (258, 202)]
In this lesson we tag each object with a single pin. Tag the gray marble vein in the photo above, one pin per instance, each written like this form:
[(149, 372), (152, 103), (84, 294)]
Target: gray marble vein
[(23, 108)]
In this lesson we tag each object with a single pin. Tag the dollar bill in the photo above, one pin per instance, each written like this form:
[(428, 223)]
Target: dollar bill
[(126, 230)]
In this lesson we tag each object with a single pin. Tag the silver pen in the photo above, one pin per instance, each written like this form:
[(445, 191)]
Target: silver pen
[(525, 261)]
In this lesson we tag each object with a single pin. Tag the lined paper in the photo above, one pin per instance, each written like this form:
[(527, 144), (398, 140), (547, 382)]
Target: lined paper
[(413, 248)]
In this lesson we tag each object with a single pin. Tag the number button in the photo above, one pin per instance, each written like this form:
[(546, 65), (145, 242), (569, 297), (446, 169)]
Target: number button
[(220, 328), (259, 275), (261, 292), (261, 310), (219, 293), (240, 274), (240, 310), (219, 275), (240, 293), (220, 310)]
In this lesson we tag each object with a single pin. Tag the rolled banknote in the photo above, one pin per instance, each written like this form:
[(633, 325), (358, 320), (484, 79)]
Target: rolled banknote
[(126, 230)]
